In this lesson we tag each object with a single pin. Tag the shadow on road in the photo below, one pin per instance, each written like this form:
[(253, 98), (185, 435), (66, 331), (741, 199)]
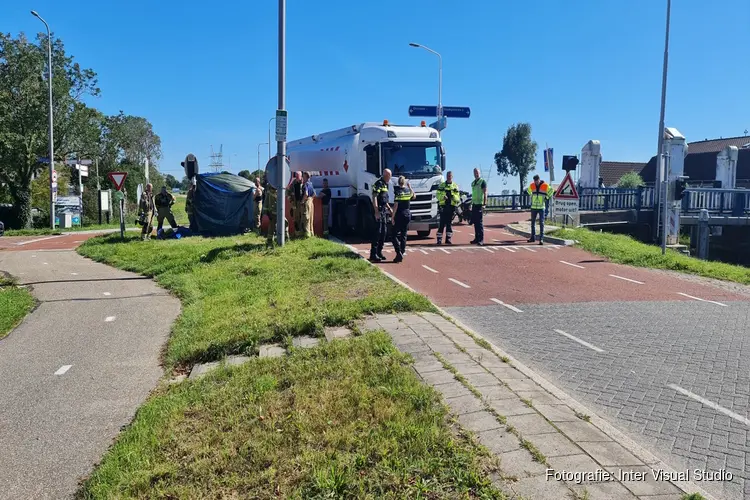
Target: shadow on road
[(30, 283)]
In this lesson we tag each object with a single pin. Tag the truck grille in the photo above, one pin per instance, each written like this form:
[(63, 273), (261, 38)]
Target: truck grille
[(422, 202)]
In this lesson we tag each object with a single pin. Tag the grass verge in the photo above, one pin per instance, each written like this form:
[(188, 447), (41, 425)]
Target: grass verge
[(15, 304), (236, 293), (623, 249)]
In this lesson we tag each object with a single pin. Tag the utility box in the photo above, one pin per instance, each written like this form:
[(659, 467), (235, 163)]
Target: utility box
[(66, 221)]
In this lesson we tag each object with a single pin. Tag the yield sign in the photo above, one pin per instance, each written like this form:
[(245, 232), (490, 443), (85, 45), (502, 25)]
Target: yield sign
[(118, 179), (566, 190)]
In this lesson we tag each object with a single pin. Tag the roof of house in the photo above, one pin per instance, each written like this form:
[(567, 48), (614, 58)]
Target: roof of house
[(702, 166), (716, 145), (612, 171)]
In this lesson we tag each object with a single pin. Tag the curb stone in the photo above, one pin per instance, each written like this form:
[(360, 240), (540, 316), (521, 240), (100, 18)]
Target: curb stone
[(521, 231), (648, 459)]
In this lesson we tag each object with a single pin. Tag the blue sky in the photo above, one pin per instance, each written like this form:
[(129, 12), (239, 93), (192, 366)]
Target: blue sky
[(206, 73)]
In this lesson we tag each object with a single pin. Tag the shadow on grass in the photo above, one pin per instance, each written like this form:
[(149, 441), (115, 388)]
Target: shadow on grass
[(344, 254), (227, 252)]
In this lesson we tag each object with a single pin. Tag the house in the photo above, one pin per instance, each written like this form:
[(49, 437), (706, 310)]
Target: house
[(612, 171)]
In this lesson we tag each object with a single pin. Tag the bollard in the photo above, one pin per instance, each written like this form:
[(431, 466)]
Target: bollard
[(703, 235)]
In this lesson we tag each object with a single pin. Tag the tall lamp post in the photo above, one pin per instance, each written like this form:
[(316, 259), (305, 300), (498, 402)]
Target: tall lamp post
[(259, 145), (660, 159), (269, 136), (440, 77), (51, 139), (281, 145)]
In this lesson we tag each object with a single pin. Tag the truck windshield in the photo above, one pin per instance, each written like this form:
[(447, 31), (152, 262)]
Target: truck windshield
[(412, 159)]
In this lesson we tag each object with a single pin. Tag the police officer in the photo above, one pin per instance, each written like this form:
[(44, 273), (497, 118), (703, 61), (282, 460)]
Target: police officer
[(164, 201), (269, 207), (382, 210), (146, 209), (402, 195), (448, 199), (540, 193), (478, 201)]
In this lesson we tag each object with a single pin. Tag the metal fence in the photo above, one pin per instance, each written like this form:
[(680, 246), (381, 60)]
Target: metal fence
[(730, 202), (605, 199)]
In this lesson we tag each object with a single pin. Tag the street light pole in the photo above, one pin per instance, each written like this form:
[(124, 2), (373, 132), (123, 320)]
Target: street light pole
[(51, 126), (440, 78), (281, 145), (259, 145), (269, 136), (660, 159)]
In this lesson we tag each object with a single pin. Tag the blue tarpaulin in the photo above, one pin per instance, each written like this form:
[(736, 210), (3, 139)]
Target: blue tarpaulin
[(223, 204)]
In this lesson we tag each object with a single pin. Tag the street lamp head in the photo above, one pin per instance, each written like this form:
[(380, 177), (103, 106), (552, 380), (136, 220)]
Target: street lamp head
[(414, 45), (34, 13)]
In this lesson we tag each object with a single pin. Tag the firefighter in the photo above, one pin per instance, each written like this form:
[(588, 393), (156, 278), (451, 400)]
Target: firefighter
[(382, 209), (448, 199), (402, 195), (540, 193), (164, 201), (308, 209), (146, 210), (258, 204)]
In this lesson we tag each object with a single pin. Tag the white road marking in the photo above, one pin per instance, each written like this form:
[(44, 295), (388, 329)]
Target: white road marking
[(429, 269), (63, 369), (459, 283), (626, 279), (446, 251), (38, 239), (509, 234), (45, 263), (107, 294), (488, 249), (702, 300), (582, 342), (74, 274), (511, 250), (109, 319), (512, 308), (710, 404), (572, 265), (456, 231), (424, 252), (529, 249), (33, 256)]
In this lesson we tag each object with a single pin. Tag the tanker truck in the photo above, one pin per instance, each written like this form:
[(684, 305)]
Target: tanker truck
[(354, 157)]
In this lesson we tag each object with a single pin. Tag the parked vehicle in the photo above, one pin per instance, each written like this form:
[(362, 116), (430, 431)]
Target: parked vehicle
[(463, 210), (353, 159)]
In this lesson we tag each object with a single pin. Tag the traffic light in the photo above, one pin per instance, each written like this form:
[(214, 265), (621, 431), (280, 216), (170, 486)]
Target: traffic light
[(190, 165), (679, 187), (569, 162)]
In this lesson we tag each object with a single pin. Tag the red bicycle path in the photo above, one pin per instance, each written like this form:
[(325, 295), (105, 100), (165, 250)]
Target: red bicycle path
[(54, 242)]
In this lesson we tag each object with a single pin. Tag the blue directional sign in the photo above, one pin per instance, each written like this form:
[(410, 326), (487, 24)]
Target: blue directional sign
[(456, 112), (44, 159), (423, 111), (440, 124)]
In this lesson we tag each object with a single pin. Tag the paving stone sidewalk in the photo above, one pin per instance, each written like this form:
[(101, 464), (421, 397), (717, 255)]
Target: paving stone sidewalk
[(546, 448)]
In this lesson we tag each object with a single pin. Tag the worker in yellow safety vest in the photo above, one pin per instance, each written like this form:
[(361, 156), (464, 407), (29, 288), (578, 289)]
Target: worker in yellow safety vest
[(448, 199), (540, 193)]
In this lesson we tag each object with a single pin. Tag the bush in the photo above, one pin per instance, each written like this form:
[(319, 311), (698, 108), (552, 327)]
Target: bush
[(630, 180)]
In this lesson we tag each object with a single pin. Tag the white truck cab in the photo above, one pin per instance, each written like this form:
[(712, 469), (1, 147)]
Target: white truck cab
[(353, 159)]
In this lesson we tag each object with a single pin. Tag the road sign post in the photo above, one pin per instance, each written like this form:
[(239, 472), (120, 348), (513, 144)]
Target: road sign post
[(566, 200), (118, 179)]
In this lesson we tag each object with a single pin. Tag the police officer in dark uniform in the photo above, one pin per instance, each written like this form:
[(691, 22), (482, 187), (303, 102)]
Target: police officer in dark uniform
[(402, 195), (382, 209)]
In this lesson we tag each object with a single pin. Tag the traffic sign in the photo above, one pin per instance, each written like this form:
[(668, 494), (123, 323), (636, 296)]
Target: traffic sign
[(118, 179), (281, 125), (441, 124), (456, 112), (43, 159), (428, 111), (567, 189), (54, 176), (272, 171), (79, 162)]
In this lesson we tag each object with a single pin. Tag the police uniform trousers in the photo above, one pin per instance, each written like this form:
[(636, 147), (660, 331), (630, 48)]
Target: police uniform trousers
[(378, 237), (446, 223), (164, 213), (477, 217), (400, 225), (534, 214)]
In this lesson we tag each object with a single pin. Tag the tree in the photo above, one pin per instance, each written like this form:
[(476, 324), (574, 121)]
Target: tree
[(630, 180), (24, 113), (171, 181), (518, 156), (244, 173), (185, 184)]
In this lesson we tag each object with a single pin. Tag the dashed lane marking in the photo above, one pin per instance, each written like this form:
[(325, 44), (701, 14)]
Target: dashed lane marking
[(423, 251), (529, 249), (511, 250), (512, 308), (445, 251), (488, 249), (582, 342), (702, 300), (109, 319), (459, 283), (63, 369), (74, 274), (710, 404), (106, 294), (627, 279), (572, 265), (429, 269)]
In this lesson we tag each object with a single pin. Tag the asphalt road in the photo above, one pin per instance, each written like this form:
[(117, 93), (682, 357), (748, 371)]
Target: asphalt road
[(662, 357), (77, 368)]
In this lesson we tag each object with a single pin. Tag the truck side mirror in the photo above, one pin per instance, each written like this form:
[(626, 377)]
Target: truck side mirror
[(442, 162)]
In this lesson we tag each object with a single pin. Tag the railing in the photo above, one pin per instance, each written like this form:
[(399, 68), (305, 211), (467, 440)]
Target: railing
[(508, 202), (605, 199), (729, 202)]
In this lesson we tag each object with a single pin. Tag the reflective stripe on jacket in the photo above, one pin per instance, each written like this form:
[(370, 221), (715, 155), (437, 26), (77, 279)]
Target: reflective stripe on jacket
[(445, 190), (539, 195)]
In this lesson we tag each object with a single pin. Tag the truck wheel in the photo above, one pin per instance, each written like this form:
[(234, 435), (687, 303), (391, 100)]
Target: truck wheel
[(424, 234)]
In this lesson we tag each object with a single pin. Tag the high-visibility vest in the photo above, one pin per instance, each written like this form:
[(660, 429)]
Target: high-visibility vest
[(477, 191), (446, 190), (539, 195)]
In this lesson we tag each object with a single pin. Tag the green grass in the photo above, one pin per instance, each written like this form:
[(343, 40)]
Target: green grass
[(15, 304), (236, 293), (626, 250), (347, 419)]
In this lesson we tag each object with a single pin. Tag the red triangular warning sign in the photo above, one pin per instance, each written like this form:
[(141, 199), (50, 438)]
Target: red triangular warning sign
[(118, 179), (567, 189)]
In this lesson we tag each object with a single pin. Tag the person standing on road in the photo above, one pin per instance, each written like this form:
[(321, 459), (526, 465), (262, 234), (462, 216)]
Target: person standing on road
[(308, 209), (540, 193), (325, 199), (402, 195), (164, 201), (258, 204), (190, 207), (146, 208), (478, 202), (448, 199), (382, 209)]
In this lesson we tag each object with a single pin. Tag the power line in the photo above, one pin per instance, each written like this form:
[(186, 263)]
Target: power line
[(217, 159)]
